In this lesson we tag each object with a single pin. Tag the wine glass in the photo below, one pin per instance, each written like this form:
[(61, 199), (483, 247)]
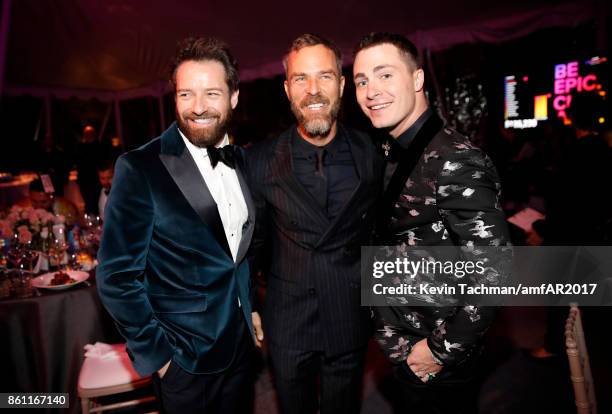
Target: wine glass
[(15, 252), (91, 231), (21, 255), (57, 251), (29, 256)]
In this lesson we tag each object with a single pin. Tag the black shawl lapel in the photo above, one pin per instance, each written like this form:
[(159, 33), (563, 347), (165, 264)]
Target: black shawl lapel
[(363, 166), (282, 167), (178, 161), (408, 159), (247, 232)]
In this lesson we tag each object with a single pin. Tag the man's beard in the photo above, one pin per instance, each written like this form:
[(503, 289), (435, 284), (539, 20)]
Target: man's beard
[(316, 125), (204, 137)]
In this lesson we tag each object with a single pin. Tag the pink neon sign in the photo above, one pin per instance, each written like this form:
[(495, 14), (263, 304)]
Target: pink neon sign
[(567, 80)]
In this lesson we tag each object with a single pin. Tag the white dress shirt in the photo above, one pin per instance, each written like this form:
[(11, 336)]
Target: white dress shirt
[(223, 184), (102, 203)]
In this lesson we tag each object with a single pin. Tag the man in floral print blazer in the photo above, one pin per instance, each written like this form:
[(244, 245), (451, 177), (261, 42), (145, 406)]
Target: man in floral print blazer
[(440, 190)]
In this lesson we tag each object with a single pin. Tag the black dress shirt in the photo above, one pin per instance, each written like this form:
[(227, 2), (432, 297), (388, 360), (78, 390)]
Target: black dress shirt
[(402, 142), (327, 172)]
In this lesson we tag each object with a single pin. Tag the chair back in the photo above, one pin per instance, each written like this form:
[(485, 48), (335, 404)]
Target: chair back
[(580, 367)]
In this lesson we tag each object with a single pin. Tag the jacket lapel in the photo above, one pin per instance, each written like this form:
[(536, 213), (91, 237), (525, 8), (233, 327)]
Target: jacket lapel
[(364, 167), (282, 168), (184, 171), (408, 160), (249, 226)]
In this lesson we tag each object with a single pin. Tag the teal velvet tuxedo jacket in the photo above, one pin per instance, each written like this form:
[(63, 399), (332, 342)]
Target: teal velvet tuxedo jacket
[(166, 273)]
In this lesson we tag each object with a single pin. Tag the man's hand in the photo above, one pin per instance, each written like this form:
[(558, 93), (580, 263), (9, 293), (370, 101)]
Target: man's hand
[(162, 371), (421, 362), (259, 333)]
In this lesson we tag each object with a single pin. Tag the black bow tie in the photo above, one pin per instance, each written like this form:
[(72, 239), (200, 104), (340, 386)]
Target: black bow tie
[(225, 154)]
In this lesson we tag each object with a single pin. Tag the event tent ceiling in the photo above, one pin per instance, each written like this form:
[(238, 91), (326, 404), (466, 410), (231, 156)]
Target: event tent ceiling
[(82, 47)]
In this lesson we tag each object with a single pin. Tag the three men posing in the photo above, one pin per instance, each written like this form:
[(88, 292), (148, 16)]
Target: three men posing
[(179, 222)]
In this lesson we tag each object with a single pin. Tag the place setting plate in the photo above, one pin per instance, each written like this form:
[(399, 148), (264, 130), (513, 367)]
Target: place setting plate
[(44, 281)]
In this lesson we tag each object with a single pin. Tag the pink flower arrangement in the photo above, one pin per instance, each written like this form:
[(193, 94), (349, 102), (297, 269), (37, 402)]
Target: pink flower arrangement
[(24, 234), (28, 224)]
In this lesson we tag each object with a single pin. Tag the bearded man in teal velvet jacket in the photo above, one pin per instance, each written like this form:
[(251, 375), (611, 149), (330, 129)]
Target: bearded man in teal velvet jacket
[(178, 224)]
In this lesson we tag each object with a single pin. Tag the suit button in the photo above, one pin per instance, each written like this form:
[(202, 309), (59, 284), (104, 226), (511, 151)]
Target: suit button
[(312, 291)]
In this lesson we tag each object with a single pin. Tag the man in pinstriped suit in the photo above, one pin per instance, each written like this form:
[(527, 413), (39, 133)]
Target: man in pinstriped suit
[(313, 188)]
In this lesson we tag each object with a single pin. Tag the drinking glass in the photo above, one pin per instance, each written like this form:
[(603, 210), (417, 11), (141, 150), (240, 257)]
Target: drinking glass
[(57, 251)]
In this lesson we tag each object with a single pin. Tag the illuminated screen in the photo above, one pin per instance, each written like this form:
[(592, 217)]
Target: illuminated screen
[(547, 93)]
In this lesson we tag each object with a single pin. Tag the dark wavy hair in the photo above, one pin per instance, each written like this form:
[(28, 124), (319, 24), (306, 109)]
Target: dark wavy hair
[(205, 49)]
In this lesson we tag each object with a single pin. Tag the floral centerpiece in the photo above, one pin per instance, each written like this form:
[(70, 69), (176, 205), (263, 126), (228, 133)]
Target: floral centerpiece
[(29, 225)]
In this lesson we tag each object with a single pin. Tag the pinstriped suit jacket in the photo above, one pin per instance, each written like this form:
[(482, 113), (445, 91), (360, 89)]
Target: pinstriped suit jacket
[(313, 293)]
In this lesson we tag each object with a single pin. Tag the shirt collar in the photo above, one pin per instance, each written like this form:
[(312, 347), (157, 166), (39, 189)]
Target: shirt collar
[(304, 147), (195, 149), (408, 135)]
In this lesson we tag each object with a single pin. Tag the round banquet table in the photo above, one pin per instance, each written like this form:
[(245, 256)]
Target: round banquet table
[(41, 346)]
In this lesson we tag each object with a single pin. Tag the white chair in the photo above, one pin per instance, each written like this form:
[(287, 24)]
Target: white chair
[(101, 377), (580, 367)]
